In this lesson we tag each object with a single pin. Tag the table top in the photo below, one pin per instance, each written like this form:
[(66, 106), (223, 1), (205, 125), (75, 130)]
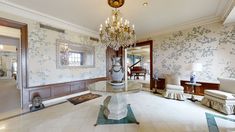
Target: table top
[(193, 84), (105, 86)]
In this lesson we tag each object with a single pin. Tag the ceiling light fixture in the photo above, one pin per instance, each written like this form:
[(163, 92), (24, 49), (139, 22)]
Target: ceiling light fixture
[(145, 4), (116, 3), (117, 32), (1, 46), (2, 127)]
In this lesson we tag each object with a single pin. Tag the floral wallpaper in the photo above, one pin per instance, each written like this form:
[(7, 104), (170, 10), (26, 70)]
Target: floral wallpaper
[(42, 57), (212, 45)]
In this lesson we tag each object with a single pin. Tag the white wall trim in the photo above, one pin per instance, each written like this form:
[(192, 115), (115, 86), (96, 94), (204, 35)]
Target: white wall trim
[(221, 13), (14, 9)]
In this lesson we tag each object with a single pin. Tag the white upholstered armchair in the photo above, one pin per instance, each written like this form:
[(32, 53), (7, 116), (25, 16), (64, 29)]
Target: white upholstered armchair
[(173, 88), (222, 100)]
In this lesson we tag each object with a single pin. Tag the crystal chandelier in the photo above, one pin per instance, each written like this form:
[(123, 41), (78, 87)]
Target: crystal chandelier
[(117, 32)]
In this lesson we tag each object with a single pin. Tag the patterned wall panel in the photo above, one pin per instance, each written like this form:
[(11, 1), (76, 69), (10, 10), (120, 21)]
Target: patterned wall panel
[(42, 57), (212, 45)]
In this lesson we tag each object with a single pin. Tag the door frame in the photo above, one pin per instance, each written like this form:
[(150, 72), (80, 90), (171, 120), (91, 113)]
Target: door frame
[(24, 47), (146, 43)]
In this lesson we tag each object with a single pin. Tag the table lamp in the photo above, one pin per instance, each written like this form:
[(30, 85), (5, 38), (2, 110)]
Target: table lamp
[(194, 67)]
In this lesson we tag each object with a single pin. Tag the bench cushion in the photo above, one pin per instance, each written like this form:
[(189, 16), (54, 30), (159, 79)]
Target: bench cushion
[(227, 85), (220, 94)]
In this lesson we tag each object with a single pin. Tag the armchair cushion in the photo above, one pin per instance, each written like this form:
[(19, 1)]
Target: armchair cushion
[(173, 90), (174, 87), (172, 79), (220, 94)]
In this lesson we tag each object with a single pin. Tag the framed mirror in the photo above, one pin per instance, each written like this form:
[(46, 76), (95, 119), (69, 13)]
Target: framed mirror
[(73, 55)]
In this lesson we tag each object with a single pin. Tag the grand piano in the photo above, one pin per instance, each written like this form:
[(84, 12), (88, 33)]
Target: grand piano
[(137, 71)]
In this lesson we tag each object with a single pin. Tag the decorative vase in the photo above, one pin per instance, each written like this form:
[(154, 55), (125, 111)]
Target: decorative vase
[(192, 78), (117, 71)]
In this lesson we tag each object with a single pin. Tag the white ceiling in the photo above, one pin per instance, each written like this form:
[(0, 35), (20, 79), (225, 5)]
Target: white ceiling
[(157, 16)]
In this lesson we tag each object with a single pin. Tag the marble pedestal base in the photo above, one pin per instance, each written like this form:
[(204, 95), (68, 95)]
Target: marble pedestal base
[(115, 106)]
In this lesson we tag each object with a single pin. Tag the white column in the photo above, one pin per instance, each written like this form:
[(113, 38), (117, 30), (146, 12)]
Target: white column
[(115, 106)]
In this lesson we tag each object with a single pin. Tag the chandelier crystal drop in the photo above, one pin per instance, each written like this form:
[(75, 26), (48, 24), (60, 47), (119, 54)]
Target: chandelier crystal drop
[(117, 32)]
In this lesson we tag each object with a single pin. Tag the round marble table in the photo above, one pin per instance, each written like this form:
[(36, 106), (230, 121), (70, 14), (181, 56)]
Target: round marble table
[(115, 104)]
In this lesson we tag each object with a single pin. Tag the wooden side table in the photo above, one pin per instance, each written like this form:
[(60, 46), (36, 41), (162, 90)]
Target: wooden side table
[(156, 86), (194, 86)]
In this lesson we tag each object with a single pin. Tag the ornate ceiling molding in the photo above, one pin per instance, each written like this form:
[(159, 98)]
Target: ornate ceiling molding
[(228, 7), (8, 7), (182, 26), (223, 10)]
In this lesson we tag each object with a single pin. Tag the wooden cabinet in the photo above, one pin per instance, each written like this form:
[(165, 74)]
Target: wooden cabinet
[(160, 84), (200, 90), (78, 87), (61, 89)]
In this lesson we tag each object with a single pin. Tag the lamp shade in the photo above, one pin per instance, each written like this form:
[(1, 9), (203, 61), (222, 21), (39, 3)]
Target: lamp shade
[(195, 67)]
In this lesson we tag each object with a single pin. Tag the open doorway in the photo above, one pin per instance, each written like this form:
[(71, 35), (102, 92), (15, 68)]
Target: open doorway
[(138, 61), (10, 70)]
